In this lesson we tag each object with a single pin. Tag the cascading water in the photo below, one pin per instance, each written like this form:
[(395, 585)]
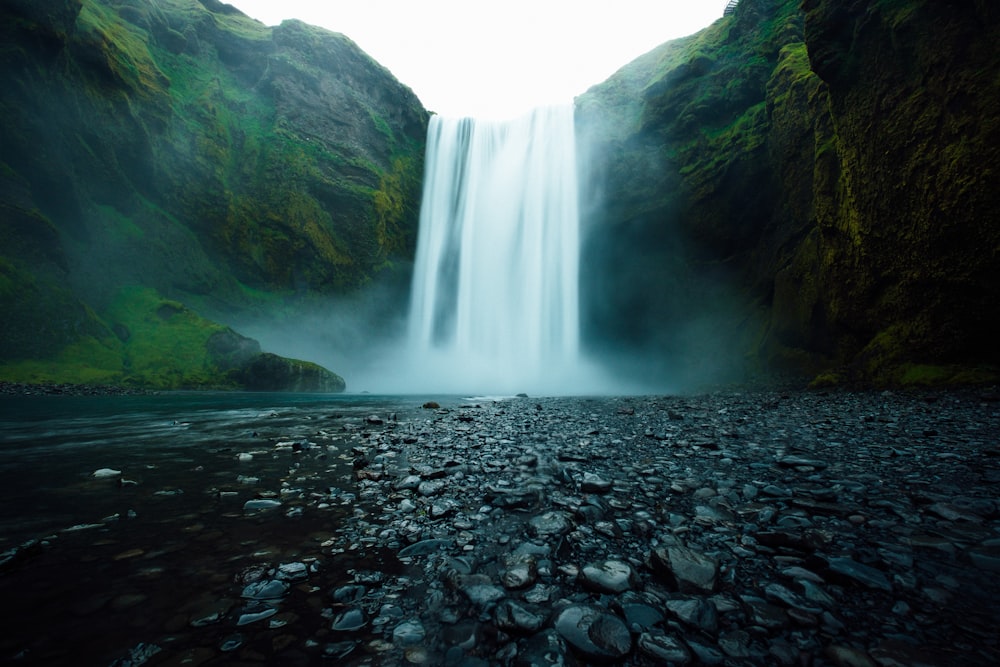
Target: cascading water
[(495, 299)]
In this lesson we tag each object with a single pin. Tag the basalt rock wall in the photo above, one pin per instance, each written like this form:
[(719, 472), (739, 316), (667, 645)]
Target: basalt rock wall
[(808, 188)]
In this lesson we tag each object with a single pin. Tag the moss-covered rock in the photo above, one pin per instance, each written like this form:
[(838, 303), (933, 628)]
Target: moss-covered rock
[(828, 167), (269, 372), (182, 148)]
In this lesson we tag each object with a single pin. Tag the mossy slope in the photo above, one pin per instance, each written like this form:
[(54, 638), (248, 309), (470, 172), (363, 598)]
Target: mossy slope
[(183, 148), (824, 172)]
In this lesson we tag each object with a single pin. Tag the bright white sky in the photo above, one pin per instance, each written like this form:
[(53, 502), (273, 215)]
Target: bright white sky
[(498, 59)]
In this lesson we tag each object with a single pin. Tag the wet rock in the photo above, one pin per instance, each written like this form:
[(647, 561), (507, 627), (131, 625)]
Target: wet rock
[(348, 593), (408, 482), (255, 616), (339, 650), (859, 573), (268, 589), (696, 612), (408, 633), (426, 547), (594, 633), (684, 569), (665, 649), (483, 595), (801, 462), (594, 484), (986, 558), (640, 617), (511, 616), (544, 649), (550, 524), (259, 504), (351, 619), (430, 487), (609, 576), (521, 571), (293, 571), (847, 656)]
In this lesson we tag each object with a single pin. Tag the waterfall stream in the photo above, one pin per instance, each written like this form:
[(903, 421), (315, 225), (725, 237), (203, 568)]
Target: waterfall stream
[(495, 297)]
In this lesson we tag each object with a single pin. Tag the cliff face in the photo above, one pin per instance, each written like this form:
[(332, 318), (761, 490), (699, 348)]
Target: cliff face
[(184, 151), (816, 183)]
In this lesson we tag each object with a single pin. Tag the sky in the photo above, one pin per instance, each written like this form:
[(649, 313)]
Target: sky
[(498, 59)]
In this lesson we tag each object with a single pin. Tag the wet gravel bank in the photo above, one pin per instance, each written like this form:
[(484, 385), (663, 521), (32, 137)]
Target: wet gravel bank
[(65, 389), (735, 528)]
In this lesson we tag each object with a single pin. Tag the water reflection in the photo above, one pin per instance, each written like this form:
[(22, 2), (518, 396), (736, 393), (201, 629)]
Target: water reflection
[(93, 567)]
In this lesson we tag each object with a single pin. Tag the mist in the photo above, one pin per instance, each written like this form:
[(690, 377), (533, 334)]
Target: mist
[(652, 312)]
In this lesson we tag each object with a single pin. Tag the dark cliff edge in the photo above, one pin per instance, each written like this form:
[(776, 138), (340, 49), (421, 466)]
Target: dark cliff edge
[(803, 188), (164, 160)]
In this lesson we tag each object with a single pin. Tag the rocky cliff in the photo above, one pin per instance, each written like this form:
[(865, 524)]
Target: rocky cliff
[(807, 187), (179, 156)]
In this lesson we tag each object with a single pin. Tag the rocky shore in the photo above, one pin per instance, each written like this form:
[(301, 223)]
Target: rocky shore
[(732, 528), (805, 529), (66, 389)]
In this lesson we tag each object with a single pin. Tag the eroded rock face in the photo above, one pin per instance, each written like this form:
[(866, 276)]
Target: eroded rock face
[(192, 151), (840, 177)]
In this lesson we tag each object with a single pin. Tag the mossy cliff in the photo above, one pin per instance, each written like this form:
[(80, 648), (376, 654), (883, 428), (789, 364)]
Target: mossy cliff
[(812, 184), (181, 151)]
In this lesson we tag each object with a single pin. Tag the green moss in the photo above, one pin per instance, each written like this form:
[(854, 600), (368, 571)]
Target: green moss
[(167, 343), (125, 53)]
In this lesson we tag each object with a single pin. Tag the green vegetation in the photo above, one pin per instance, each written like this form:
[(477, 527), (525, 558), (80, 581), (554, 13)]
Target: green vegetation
[(831, 164), (180, 148)]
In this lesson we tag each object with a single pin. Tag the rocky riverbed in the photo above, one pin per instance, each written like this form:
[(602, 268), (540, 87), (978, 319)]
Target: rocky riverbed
[(731, 528)]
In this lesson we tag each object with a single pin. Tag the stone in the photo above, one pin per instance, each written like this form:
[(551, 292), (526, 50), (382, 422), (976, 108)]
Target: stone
[(267, 589), (594, 484), (696, 612), (511, 616), (521, 571), (594, 633), (609, 576), (426, 547), (550, 524), (663, 648), (848, 569), (260, 504), (684, 569), (351, 619), (408, 633)]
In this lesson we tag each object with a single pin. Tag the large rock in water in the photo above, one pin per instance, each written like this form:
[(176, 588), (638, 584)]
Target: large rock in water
[(269, 372), (809, 186), (185, 149)]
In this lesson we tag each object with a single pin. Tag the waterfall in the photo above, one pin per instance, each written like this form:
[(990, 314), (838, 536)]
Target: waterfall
[(495, 302)]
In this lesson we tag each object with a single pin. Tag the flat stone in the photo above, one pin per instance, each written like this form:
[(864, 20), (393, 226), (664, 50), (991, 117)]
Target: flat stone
[(408, 633), (594, 633), (986, 558), (696, 612), (801, 461), (594, 484), (426, 547), (512, 616), (261, 504), (860, 573), (665, 649), (609, 576), (267, 589), (684, 569), (550, 524), (350, 620)]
